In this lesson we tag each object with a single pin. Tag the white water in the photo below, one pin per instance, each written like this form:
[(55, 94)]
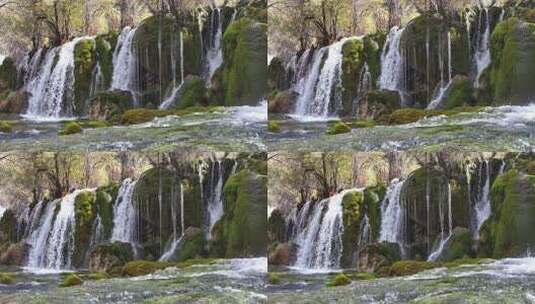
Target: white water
[(125, 64), (38, 237), (124, 214), (443, 88), (320, 92), (2, 209), (393, 64), (2, 58), (166, 104), (214, 55), (215, 202), (53, 87), (482, 51), (320, 243), (443, 240), (393, 215), (482, 205)]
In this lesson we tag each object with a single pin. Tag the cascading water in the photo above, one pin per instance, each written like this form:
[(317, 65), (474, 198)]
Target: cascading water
[(443, 86), (320, 242), (2, 211), (39, 236), (125, 65), (482, 50), (320, 95), (393, 64), (365, 233), (214, 54), (443, 238), (2, 58), (124, 214), (365, 85), (52, 89), (393, 216), (481, 206), (166, 104), (215, 202)]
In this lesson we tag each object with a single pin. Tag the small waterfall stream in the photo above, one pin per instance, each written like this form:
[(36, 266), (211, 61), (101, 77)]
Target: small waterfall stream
[(53, 85), (167, 255), (214, 54), (166, 104), (444, 86), (481, 206), (125, 65), (39, 236), (320, 243), (393, 215), (443, 238), (482, 50), (393, 64), (124, 214), (215, 201)]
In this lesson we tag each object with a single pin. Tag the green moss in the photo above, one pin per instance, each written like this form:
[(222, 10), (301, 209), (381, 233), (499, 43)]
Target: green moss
[(274, 278), (141, 115), (352, 63), (84, 62), (6, 278), (105, 46), (338, 128), (274, 127), (404, 268), (276, 226), (352, 215), (97, 276), (105, 196), (405, 116), (460, 94), (362, 276), (141, 267), (8, 75), (71, 280), (71, 127), (85, 214), (339, 280), (193, 93), (5, 126), (192, 246), (94, 124), (363, 124)]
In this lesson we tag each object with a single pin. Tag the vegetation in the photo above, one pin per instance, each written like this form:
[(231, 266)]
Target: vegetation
[(6, 278), (71, 280), (338, 128), (339, 280), (274, 127), (70, 128), (6, 127)]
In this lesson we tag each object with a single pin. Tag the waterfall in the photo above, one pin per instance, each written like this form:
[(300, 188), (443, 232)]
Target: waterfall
[(125, 65), (31, 68), (306, 86), (443, 240), (214, 54), (2, 58), (176, 240), (365, 85), (481, 206), (53, 86), (393, 216), (2, 211), (365, 235), (393, 64), (482, 50), (215, 202), (320, 243), (443, 86), (321, 93), (38, 237), (97, 81), (124, 214), (166, 104)]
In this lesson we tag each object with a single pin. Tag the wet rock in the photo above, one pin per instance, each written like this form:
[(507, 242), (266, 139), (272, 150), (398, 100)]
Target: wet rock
[(458, 246), (106, 105), (192, 93), (106, 257), (283, 254), (14, 102), (375, 256), (14, 254), (276, 227), (192, 245), (377, 103), (277, 76), (460, 93), (282, 102)]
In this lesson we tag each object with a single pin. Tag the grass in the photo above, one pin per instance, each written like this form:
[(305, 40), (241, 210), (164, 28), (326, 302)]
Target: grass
[(71, 280), (5, 126), (71, 127), (339, 280)]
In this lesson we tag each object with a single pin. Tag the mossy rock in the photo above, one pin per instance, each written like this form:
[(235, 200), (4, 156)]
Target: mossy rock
[(274, 127), (282, 102), (352, 63), (404, 268), (274, 278), (105, 45), (339, 280), (245, 71), (84, 62), (5, 126), (352, 216), (378, 255), (71, 280), (8, 75), (277, 76), (104, 199), (512, 69), (276, 227), (507, 232), (107, 257), (8, 228), (377, 103), (242, 231), (14, 102), (70, 128), (405, 116), (338, 128), (192, 245), (6, 278), (141, 267), (459, 94), (192, 93), (108, 104), (458, 246), (85, 213)]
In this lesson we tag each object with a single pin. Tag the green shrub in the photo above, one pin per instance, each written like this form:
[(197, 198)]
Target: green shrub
[(339, 280), (339, 128), (71, 280), (71, 127), (141, 267), (403, 268)]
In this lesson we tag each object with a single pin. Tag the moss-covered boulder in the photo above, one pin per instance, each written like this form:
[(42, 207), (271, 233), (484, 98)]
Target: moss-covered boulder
[(8, 75), (282, 102), (242, 230), (105, 45), (14, 254), (108, 104), (276, 227), (5, 126), (409, 267), (71, 127), (244, 74), (104, 200), (282, 254), (377, 103), (508, 231), (460, 93), (141, 267), (107, 257), (6, 278), (8, 228), (378, 255), (192, 93), (160, 76), (85, 211), (71, 280), (433, 31), (84, 63), (277, 76), (14, 101), (458, 246), (192, 245), (339, 127), (339, 280), (512, 69)]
